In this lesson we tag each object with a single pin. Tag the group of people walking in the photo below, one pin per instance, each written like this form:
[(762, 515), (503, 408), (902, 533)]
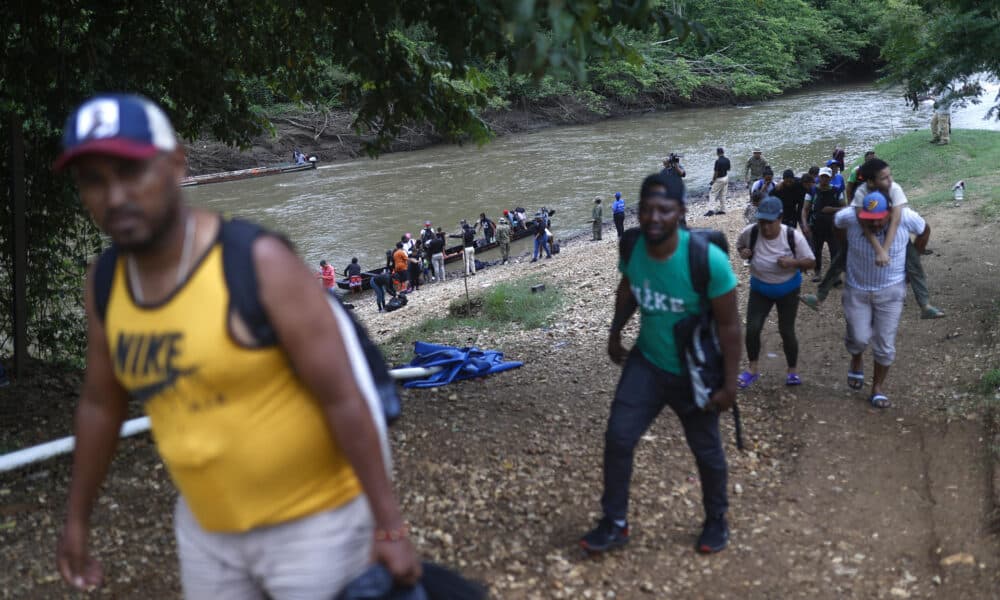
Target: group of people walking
[(255, 389)]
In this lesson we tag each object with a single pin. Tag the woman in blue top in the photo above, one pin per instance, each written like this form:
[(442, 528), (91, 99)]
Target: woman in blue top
[(777, 256)]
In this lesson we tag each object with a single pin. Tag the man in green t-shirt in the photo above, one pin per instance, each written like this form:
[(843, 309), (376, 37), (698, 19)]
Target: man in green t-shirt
[(656, 280)]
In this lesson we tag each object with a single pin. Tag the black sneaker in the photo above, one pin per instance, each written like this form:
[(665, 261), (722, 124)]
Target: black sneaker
[(714, 536), (605, 536), (710, 213), (720, 212)]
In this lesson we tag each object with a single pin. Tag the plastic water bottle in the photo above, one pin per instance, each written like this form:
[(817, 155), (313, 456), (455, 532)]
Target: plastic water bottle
[(959, 192)]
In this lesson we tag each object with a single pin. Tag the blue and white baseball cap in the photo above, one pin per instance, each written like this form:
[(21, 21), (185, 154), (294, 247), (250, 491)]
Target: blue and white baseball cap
[(122, 125)]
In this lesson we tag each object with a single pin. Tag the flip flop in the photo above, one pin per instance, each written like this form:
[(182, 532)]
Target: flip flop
[(855, 380), (793, 379), (746, 379), (810, 300), (880, 401)]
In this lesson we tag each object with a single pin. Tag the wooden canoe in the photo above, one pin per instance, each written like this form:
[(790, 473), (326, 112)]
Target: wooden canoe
[(246, 173)]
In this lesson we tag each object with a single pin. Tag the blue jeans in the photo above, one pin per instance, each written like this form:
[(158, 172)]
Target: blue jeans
[(643, 390), (380, 293), (541, 243)]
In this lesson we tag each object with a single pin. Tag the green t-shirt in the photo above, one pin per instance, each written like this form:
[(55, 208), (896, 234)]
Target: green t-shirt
[(665, 295)]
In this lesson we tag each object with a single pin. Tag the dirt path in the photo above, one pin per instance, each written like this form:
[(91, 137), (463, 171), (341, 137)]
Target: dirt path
[(500, 477)]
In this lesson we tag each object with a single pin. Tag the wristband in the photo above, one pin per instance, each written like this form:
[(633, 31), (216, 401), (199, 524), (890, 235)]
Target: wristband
[(392, 535)]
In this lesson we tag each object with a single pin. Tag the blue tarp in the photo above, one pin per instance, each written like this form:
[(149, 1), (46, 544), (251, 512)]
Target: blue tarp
[(458, 363)]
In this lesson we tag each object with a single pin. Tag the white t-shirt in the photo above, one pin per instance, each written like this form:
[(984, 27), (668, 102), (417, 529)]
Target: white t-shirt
[(764, 262), (862, 272), (896, 195)]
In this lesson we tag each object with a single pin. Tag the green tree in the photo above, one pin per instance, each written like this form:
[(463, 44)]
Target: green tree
[(207, 62), (943, 47)]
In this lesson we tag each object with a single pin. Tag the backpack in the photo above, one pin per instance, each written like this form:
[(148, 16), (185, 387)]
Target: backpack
[(699, 349), (696, 336), (789, 232), (237, 237)]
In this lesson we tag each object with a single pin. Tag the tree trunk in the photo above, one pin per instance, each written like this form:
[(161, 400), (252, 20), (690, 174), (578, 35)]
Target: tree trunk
[(19, 234)]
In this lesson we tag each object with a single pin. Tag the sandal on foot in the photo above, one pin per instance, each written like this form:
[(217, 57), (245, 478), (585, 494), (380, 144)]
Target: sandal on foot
[(793, 379), (931, 312), (810, 300), (855, 380), (746, 379), (880, 401)]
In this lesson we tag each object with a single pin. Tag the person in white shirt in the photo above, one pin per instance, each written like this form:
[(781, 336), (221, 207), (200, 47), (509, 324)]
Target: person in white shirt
[(778, 254), (873, 296), (877, 176)]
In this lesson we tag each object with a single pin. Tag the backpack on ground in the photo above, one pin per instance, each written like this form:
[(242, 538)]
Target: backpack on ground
[(237, 238), (394, 303)]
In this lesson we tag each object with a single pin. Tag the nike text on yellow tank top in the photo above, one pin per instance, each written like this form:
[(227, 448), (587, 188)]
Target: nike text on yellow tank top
[(246, 443)]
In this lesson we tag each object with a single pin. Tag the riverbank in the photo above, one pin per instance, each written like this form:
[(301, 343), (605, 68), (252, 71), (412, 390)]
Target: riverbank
[(329, 134), (499, 477)]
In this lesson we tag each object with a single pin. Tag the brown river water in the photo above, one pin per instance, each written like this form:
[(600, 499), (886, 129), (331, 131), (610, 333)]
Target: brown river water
[(360, 208)]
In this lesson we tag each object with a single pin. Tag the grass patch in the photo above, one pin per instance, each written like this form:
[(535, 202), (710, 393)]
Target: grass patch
[(504, 305), (990, 382), (927, 172)]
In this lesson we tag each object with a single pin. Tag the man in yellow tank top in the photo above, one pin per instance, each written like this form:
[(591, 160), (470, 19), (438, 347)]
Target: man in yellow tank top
[(283, 488)]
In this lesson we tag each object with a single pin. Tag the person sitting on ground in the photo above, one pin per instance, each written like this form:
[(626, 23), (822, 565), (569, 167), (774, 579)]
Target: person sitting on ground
[(817, 219), (326, 274), (760, 189), (778, 254), (877, 176), (873, 297), (354, 280)]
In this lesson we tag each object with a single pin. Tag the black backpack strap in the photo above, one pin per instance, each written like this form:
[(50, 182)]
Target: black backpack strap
[(790, 232), (627, 243), (237, 239), (754, 232), (104, 276), (698, 264)]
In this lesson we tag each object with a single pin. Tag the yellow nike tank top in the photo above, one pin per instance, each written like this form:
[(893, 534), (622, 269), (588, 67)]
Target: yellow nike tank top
[(245, 442)]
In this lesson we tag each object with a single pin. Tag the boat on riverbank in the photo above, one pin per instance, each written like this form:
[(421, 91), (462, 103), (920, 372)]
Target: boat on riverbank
[(451, 254), (248, 173)]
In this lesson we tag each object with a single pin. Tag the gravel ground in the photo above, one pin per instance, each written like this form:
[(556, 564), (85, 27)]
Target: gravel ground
[(501, 476)]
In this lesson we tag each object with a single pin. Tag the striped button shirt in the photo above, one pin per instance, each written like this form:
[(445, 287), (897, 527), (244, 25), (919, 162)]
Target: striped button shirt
[(862, 272)]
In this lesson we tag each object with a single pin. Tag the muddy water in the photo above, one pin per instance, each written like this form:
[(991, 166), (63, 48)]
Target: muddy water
[(360, 208)]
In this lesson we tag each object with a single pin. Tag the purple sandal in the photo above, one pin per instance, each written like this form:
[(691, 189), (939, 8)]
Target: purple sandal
[(746, 379), (793, 379)]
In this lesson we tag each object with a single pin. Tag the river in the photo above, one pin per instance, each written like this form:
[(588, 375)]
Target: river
[(360, 208)]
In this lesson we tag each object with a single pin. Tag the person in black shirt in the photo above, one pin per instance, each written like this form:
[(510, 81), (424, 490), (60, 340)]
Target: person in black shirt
[(435, 249), (353, 272), (792, 193), (720, 182)]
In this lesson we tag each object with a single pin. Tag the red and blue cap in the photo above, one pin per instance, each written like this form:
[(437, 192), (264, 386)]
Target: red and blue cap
[(121, 125), (874, 206)]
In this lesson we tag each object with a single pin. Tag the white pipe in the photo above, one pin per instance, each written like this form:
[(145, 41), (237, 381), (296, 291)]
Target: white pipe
[(33, 454)]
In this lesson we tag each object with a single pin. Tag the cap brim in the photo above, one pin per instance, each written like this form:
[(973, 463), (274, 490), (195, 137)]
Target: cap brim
[(872, 216), (116, 147), (768, 217)]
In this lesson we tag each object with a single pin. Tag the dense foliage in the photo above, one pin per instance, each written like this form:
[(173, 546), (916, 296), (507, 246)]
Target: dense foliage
[(944, 47), (209, 63)]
